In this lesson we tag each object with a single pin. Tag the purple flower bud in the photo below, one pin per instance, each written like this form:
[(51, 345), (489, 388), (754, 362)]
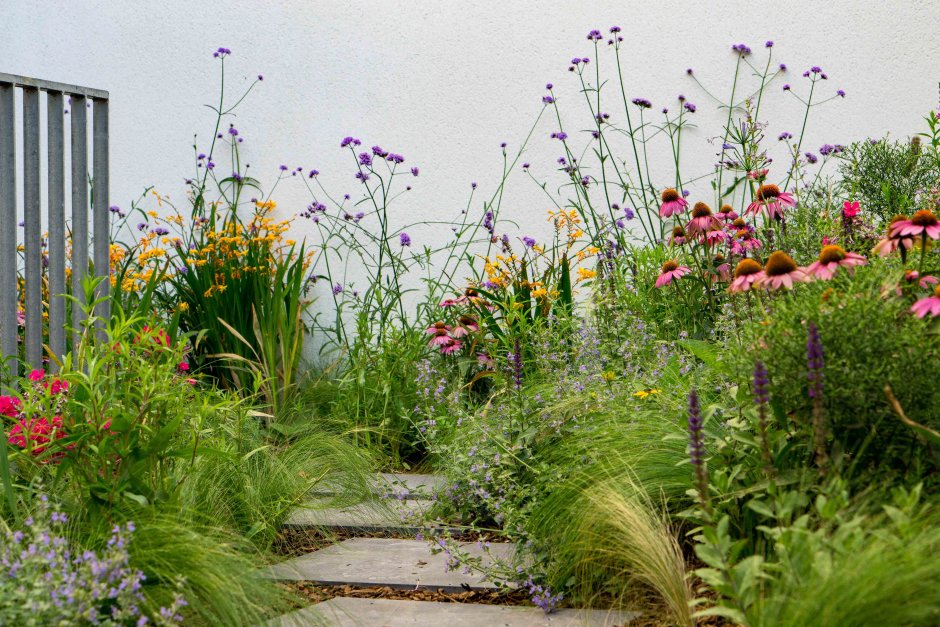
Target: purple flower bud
[(414, 171), (313, 173), (768, 44), (643, 103), (404, 239), (528, 241), (811, 158), (840, 93)]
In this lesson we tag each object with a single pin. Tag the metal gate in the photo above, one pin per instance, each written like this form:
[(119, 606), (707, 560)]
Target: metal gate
[(62, 102)]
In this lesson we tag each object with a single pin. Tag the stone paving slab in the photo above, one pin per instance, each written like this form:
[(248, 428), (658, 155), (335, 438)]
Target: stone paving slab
[(410, 486), (352, 612), (404, 517), (395, 485), (399, 564)]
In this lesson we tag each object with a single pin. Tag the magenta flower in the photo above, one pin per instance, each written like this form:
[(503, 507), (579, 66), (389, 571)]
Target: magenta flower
[(850, 209), (727, 214), (928, 305), (672, 204), (671, 270), (831, 258), (453, 347), (769, 198)]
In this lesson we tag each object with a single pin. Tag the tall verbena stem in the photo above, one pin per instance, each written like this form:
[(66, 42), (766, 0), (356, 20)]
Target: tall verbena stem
[(814, 365)]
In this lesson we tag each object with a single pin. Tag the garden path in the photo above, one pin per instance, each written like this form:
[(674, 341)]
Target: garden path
[(403, 564)]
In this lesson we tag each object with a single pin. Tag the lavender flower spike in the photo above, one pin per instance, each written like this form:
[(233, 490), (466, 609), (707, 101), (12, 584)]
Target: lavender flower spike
[(815, 363), (697, 447)]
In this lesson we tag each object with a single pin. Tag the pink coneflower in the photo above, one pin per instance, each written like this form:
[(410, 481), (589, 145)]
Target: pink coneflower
[(722, 268), (467, 326), (923, 223), (913, 275), (746, 274), (671, 270), (744, 241), (928, 305), (673, 203), (453, 347), (440, 333), (831, 258), (727, 213), (781, 271), (678, 237), (891, 242), (770, 198), (850, 209), (486, 361), (449, 302), (702, 219), (715, 236)]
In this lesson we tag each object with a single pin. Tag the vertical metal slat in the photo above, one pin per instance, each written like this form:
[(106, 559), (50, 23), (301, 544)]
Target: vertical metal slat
[(8, 222), (56, 174), (32, 212), (79, 210), (101, 209)]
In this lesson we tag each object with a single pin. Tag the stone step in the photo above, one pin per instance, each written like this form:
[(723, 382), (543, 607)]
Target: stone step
[(404, 517), (400, 486), (354, 612), (398, 564)]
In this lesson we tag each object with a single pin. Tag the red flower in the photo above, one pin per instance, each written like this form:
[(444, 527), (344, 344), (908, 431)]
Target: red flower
[(37, 375), (850, 209), (9, 406)]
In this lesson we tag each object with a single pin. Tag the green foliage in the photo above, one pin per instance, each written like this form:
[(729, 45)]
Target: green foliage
[(869, 340), (887, 176)]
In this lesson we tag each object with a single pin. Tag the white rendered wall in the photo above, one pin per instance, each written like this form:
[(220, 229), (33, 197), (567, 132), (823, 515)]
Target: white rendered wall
[(443, 83)]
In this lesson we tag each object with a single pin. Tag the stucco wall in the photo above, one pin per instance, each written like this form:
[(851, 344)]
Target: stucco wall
[(444, 83)]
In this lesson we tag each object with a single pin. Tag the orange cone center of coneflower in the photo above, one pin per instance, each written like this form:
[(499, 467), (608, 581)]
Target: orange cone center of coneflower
[(466, 320), (439, 326), (924, 217), (470, 292), (701, 210), (678, 231), (740, 223), (767, 191), (936, 292), (746, 267), (831, 253), (670, 195), (669, 266), (779, 263), (742, 233)]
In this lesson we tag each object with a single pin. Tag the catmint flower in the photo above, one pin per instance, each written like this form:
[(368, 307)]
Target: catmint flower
[(404, 239)]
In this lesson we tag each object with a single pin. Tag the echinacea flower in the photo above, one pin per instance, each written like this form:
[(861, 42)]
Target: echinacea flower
[(923, 223), (850, 209), (702, 219), (672, 203), (678, 236), (911, 276), (452, 347), (831, 258), (671, 270), (727, 213), (928, 305), (440, 333), (781, 271), (769, 198), (746, 274), (467, 326), (892, 243), (716, 236)]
